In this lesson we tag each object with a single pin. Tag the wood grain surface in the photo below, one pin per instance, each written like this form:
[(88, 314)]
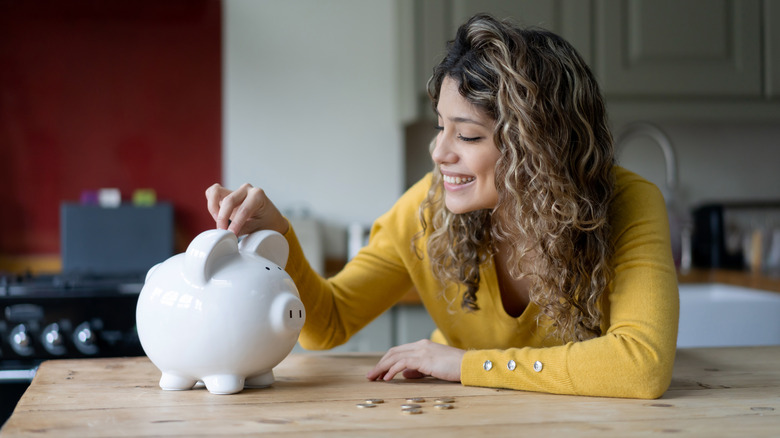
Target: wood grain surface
[(714, 392)]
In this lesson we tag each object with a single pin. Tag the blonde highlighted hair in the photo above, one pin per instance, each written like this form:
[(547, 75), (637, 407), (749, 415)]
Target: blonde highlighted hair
[(554, 177)]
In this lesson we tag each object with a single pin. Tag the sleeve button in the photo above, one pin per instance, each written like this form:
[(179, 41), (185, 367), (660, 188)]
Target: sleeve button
[(511, 365), (537, 366), (488, 365)]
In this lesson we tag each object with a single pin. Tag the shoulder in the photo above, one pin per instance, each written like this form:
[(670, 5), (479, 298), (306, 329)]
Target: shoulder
[(409, 203), (403, 219), (634, 192), (418, 192), (629, 184), (635, 200)]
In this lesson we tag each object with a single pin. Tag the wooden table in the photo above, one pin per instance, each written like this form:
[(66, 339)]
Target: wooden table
[(715, 392)]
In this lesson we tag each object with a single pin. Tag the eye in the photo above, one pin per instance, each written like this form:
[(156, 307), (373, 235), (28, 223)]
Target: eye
[(469, 139), (439, 128)]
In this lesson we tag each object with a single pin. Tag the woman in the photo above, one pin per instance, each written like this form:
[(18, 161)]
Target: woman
[(544, 266)]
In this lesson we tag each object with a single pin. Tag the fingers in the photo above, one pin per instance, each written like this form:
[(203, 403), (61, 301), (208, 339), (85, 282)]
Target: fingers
[(244, 210), (413, 374), (214, 195), (243, 204), (228, 207), (402, 358), (417, 360)]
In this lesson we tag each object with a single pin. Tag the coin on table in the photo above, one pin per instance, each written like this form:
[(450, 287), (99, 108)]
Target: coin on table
[(415, 400), (443, 406), (411, 411), (374, 401), (365, 405), (444, 399), (410, 406)]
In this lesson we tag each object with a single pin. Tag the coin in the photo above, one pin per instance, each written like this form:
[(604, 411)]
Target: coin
[(374, 401), (365, 405), (410, 406), (443, 406), (444, 400), (415, 400), (411, 411)]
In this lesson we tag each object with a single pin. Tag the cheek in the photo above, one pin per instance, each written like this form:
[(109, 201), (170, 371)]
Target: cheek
[(488, 164), (490, 171)]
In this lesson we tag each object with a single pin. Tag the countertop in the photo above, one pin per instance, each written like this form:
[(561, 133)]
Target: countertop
[(714, 392), (732, 277)]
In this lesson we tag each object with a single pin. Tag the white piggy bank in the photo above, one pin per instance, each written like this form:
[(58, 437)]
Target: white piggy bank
[(224, 313)]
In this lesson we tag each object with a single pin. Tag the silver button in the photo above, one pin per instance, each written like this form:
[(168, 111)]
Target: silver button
[(511, 365), (488, 365), (537, 366)]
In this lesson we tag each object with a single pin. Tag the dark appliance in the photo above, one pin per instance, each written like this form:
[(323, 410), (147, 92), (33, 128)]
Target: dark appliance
[(722, 231), (88, 310)]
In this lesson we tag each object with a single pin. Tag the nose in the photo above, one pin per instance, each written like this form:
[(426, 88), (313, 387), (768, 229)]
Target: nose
[(442, 151)]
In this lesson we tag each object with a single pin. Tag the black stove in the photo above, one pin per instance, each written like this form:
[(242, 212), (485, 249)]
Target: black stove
[(66, 316)]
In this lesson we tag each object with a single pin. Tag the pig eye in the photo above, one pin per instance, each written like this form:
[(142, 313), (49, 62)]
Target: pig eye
[(267, 268)]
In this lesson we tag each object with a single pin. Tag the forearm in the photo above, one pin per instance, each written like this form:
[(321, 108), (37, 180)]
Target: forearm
[(340, 306)]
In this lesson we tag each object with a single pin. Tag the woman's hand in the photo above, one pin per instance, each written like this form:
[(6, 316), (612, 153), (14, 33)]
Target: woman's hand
[(244, 210), (419, 359)]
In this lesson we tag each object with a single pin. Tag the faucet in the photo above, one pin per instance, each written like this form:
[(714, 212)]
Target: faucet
[(679, 226), (636, 130)]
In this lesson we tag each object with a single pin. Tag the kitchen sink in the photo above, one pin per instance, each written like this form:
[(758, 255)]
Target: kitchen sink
[(721, 315)]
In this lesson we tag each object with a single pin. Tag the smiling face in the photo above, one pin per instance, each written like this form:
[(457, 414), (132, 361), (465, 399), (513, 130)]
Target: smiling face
[(465, 152)]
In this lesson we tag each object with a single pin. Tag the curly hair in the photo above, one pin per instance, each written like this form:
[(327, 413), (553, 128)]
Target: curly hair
[(554, 177)]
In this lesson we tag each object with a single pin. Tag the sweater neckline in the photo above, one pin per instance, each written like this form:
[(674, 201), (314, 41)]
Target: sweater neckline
[(490, 284)]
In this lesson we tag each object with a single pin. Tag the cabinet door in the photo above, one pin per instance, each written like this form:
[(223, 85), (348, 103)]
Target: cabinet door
[(569, 18), (436, 21), (691, 48), (772, 48)]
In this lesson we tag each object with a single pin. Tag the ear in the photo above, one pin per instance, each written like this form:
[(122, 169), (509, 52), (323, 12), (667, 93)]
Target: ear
[(203, 253), (267, 244)]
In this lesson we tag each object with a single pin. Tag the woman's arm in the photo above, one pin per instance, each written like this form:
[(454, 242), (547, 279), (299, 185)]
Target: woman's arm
[(372, 282)]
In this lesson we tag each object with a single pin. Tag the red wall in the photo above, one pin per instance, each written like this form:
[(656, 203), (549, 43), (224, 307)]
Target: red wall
[(118, 93)]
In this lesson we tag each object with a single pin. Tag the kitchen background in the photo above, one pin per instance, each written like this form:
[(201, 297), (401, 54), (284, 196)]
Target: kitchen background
[(322, 104), (314, 100)]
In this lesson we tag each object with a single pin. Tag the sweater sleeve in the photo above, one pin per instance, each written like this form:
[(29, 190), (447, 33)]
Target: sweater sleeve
[(635, 356), (373, 281)]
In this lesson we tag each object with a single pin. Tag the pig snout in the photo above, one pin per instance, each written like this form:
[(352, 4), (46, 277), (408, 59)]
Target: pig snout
[(287, 313)]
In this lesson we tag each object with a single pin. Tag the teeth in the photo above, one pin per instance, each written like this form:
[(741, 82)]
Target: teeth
[(457, 179)]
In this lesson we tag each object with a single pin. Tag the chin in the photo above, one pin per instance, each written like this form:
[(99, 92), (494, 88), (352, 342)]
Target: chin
[(459, 209), (462, 208)]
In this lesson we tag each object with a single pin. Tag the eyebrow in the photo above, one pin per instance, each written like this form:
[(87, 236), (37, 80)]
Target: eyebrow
[(464, 120)]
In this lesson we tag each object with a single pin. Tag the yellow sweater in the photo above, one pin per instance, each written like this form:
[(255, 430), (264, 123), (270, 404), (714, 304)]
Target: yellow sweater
[(633, 358)]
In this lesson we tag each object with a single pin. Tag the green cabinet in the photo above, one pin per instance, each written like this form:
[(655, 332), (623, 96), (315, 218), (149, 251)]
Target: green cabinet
[(654, 59), (671, 48)]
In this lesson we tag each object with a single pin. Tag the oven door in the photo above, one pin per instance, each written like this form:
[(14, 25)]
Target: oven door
[(13, 383)]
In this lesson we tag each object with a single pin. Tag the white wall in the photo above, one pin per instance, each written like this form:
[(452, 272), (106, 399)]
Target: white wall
[(311, 113)]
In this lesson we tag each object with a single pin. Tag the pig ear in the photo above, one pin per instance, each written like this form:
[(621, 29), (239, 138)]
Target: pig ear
[(204, 252), (267, 244)]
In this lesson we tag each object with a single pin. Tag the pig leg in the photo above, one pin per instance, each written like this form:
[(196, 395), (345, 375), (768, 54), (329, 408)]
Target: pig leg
[(175, 382), (224, 383), (260, 380)]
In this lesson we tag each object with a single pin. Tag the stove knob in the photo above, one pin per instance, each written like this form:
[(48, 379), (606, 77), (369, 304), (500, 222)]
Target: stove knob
[(20, 341), (85, 339), (52, 339)]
